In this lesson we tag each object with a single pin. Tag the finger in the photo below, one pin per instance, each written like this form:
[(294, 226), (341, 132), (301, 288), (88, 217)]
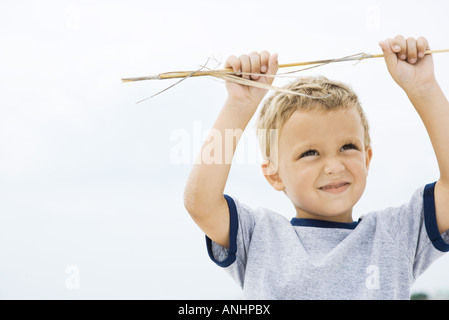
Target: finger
[(390, 56), (273, 66), (264, 58), (245, 62), (423, 45), (412, 50), (255, 64), (233, 63), (399, 46)]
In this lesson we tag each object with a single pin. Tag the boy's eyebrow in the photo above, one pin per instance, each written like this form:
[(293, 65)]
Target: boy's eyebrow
[(304, 146), (298, 147)]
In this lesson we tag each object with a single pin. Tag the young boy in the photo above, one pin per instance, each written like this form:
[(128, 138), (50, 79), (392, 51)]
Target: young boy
[(320, 160)]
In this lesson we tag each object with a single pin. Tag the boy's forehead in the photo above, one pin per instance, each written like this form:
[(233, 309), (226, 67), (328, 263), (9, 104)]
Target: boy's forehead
[(322, 123)]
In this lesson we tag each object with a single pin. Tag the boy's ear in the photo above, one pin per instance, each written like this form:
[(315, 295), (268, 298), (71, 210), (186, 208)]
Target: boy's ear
[(272, 175), (368, 156)]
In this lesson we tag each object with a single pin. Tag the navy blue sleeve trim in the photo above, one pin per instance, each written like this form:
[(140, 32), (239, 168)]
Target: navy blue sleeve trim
[(430, 219), (233, 228)]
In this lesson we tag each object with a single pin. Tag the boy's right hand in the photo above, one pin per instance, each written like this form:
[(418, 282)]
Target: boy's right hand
[(262, 63)]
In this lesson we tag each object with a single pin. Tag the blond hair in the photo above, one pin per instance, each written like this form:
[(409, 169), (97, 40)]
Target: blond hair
[(278, 108)]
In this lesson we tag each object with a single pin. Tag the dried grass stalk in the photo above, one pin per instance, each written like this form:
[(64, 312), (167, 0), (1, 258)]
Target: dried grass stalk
[(182, 74), (230, 75)]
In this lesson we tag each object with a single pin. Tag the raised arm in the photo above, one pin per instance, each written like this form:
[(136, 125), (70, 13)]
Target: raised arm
[(413, 71), (203, 195)]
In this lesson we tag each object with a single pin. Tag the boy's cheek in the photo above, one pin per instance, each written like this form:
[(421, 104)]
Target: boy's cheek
[(358, 165), (298, 192)]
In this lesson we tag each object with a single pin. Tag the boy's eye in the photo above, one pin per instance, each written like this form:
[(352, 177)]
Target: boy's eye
[(349, 146), (309, 153)]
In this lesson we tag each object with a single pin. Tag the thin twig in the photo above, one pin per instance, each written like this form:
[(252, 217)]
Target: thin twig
[(230, 75), (176, 83), (182, 74)]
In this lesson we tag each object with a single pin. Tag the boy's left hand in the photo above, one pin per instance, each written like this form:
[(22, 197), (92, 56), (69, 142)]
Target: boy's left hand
[(408, 64)]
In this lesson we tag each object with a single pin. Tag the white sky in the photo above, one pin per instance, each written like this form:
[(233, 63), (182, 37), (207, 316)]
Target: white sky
[(87, 177)]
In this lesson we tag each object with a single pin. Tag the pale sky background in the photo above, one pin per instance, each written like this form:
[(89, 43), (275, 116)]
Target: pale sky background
[(90, 183)]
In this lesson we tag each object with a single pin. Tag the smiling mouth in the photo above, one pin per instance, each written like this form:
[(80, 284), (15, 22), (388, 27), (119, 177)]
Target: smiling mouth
[(335, 188)]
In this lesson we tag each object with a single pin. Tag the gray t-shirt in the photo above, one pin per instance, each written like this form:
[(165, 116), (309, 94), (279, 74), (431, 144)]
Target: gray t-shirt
[(377, 257)]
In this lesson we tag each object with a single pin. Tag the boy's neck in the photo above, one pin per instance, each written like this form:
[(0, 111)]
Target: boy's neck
[(345, 217)]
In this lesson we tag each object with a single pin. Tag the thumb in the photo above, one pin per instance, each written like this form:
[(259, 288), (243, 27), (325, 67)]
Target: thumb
[(391, 58)]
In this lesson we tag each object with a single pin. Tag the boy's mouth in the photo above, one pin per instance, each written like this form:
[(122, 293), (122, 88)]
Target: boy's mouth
[(335, 188)]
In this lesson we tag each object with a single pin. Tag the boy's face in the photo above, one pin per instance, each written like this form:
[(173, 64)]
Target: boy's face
[(322, 163)]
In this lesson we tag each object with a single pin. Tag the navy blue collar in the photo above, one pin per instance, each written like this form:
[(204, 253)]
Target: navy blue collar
[(323, 224)]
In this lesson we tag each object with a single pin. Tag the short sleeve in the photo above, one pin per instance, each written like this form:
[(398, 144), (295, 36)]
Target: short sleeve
[(242, 223), (414, 229), (439, 241)]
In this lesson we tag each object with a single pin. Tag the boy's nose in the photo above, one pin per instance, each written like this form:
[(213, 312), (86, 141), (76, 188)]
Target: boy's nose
[(333, 166)]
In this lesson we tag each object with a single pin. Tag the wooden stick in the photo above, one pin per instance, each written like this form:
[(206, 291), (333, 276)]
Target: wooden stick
[(183, 74)]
